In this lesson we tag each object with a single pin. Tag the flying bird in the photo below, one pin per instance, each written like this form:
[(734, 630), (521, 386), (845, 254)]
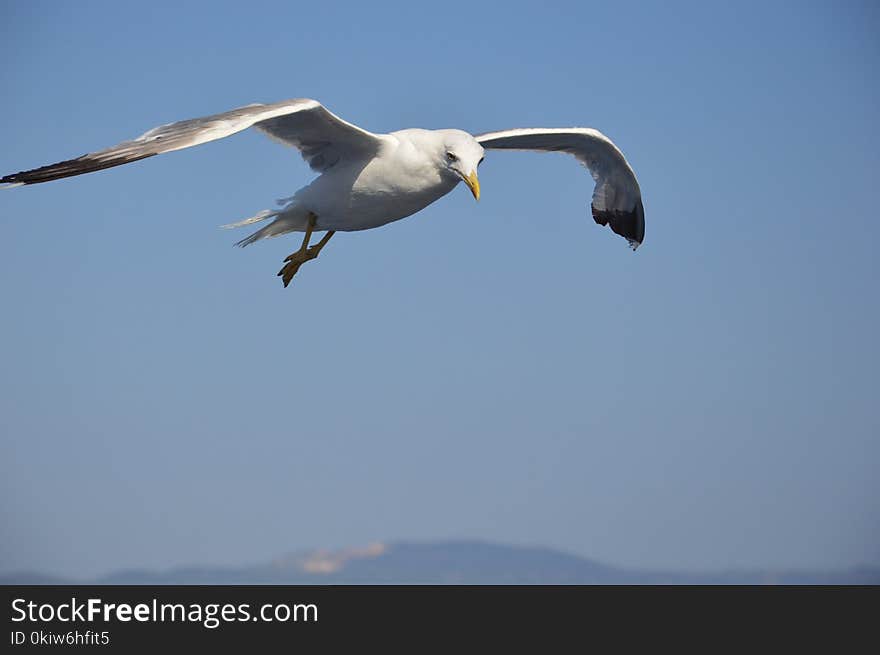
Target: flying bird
[(367, 180)]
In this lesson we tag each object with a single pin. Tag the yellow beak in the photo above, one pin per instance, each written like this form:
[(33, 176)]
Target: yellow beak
[(473, 184)]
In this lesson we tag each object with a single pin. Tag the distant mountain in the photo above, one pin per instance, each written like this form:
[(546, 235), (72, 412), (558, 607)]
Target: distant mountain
[(452, 562)]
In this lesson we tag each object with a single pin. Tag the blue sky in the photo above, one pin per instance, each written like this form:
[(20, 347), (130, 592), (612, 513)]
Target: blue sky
[(502, 370)]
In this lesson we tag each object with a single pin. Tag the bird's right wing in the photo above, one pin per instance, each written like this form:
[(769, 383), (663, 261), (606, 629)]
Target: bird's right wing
[(617, 199), (322, 138)]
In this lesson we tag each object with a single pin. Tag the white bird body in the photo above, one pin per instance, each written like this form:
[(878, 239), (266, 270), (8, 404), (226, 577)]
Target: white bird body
[(401, 181), (367, 180)]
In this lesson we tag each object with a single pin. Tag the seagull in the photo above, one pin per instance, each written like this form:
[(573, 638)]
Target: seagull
[(367, 180)]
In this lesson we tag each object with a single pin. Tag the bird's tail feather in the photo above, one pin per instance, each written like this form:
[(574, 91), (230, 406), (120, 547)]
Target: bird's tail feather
[(282, 225), (256, 218), (289, 219)]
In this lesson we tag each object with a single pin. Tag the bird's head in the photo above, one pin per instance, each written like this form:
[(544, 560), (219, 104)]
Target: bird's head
[(461, 156)]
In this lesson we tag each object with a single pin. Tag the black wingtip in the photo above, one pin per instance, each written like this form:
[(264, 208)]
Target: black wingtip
[(9, 181), (628, 224), (68, 168)]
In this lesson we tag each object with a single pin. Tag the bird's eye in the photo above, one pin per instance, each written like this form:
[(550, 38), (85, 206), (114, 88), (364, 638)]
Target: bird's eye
[(481, 161), (451, 157)]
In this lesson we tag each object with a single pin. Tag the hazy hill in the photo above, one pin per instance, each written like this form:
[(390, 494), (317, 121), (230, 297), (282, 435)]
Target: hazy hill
[(465, 562)]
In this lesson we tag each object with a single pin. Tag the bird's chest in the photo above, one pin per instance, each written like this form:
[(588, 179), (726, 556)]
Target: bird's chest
[(387, 188), (398, 187), (399, 175)]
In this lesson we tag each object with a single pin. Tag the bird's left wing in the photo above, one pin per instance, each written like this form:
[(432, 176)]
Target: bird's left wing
[(322, 138), (617, 199)]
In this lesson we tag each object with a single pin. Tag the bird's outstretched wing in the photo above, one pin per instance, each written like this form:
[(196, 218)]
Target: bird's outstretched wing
[(617, 200), (322, 138)]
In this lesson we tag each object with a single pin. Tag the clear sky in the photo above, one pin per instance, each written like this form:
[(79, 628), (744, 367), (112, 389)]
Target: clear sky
[(503, 370)]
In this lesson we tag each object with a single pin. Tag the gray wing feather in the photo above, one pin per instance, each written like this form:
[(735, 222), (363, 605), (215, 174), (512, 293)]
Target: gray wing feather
[(322, 137), (617, 199)]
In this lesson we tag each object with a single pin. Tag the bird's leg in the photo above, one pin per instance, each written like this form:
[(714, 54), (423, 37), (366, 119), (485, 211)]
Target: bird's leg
[(298, 258), (315, 250), (305, 253)]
